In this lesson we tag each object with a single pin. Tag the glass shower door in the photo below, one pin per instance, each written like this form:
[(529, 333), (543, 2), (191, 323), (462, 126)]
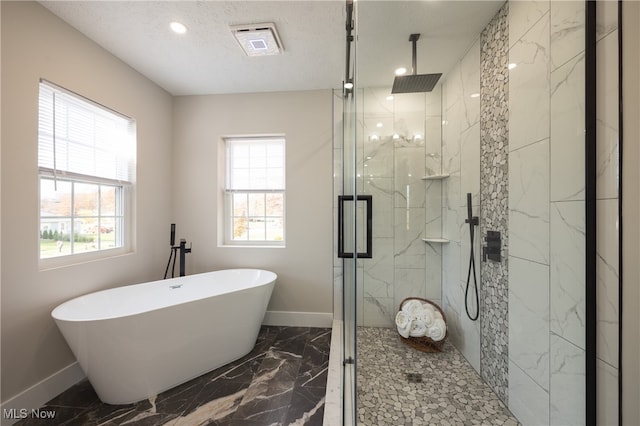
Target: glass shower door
[(347, 228)]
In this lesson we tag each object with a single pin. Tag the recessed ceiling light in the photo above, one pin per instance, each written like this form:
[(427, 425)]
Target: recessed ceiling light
[(512, 66), (390, 98), (379, 124), (258, 39), (401, 71), (178, 28), (474, 95)]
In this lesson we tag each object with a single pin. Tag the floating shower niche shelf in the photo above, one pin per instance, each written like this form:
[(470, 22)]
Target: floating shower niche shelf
[(435, 177), (435, 240)]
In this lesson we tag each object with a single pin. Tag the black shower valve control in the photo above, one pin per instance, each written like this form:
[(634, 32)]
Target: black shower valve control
[(492, 246), (475, 220)]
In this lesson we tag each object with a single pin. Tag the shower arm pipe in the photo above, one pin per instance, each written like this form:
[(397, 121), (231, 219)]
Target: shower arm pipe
[(413, 38)]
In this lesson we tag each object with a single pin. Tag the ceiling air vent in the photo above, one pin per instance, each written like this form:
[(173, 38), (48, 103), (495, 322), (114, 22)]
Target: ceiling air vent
[(258, 39)]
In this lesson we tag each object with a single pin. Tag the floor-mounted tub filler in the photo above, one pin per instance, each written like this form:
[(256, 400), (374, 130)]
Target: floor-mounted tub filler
[(136, 341)]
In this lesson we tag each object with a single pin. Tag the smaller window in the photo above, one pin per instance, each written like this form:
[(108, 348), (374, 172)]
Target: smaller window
[(255, 191)]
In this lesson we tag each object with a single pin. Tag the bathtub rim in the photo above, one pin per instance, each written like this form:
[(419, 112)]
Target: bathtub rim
[(55, 312)]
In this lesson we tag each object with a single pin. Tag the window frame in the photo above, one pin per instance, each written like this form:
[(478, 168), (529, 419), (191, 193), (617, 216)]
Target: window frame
[(123, 215), (228, 194)]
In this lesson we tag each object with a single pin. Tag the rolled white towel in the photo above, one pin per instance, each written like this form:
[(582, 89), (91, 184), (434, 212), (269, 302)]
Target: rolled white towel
[(428, 307), (413, 307), (418, 329), (403, 323), (438, 315), (429, 317), (438, 330)]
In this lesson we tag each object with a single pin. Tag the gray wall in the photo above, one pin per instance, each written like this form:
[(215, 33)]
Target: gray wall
[(304, 266), (36, 44)]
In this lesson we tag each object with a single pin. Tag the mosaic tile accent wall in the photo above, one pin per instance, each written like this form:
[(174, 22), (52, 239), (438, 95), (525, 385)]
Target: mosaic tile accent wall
[(494, 193)]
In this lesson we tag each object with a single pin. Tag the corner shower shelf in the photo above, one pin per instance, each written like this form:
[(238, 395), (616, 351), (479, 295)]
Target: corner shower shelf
[(435, 240), (435, 177)]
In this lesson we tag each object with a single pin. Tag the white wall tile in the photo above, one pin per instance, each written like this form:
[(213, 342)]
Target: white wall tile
[(409, 249), (567, 131), (377, 155), (568, 271), (470, 165), (523, 15), (527, 400), (408, 283), (529, 87), (470, 81), (378, 280), (529, 202), (433, 271), (567, 31), (381, 190), (409, 168), (378, 312), (529, 319), (567, 389)]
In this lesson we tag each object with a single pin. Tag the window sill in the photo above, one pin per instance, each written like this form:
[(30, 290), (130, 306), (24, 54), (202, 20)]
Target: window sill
[(81, 258), (252, 246)]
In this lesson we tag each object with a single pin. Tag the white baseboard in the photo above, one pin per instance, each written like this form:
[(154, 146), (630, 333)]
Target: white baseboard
[(37, 395), (298, 319)]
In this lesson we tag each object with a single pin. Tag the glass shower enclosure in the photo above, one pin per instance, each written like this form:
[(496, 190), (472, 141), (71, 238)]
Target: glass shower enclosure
[(403, 168)]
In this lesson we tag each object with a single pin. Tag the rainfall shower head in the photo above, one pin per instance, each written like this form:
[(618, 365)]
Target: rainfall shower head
[(415, 82)]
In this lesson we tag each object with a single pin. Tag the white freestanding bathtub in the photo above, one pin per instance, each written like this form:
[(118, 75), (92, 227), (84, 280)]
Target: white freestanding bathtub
[(136, 341)]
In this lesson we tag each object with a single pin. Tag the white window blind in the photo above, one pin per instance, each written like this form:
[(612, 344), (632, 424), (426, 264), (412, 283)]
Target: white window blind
[(79, 138), (255, 164)]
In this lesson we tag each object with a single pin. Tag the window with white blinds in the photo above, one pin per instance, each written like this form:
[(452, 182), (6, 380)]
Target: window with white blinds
[(255, 191), (79, 138), (87, 163)]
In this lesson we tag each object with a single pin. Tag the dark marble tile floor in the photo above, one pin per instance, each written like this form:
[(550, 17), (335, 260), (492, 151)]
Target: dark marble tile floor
[(281, 382)]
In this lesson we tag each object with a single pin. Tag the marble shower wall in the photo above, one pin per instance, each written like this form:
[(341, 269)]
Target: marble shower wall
[(461, 161), (529, 212), (399, 144), (546, 212), (529, 147), (475, 144)]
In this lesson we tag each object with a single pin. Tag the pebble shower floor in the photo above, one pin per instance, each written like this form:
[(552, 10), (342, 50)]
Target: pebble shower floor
[(398, 385)]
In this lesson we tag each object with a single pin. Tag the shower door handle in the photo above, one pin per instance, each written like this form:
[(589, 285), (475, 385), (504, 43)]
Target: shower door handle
[(368, 199)]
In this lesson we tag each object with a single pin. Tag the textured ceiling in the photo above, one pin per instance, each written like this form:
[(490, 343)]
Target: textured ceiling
[(207, 59)]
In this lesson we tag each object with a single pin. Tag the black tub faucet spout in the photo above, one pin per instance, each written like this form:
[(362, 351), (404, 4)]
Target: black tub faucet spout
[(183, 251)]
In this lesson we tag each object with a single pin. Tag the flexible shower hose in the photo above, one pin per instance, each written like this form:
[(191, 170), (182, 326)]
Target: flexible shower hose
[(472, 221)]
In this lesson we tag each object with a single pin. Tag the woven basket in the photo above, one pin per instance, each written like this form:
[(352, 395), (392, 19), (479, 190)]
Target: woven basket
[(424, 343)]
